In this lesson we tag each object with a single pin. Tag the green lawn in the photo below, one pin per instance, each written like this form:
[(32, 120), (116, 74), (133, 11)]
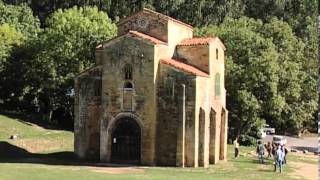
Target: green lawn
[(47, 154)]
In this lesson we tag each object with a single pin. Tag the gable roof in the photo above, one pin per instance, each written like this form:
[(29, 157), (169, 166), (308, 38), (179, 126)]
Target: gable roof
[(201, 41), (184, 67), (162, 16), (151, 39), (146, 37)]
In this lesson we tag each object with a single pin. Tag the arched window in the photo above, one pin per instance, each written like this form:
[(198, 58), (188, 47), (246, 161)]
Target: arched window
[(217, 85), (217, 54), (128, 72), (128, 85)]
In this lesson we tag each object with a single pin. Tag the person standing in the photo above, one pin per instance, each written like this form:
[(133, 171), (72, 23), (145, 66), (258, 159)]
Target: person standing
[(285, 152), (260, 152), (269, 149), (279, 155), (236, 148)]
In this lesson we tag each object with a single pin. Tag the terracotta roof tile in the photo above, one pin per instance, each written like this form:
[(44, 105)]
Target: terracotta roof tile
[(184, 67), (200, 41), (197, 41), (147, 37)]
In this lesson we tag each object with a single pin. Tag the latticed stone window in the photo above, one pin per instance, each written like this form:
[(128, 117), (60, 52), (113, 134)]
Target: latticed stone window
[(97, 88), (217, 54), (127, 96), (128, 72), (217, 85), (169, 83)]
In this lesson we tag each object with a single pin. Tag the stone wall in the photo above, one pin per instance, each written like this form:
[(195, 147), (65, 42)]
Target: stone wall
[(147, 23), (140, 55), (169, 112), (87, 114), (198, 56)]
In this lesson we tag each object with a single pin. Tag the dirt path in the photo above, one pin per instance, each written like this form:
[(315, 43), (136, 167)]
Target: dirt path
[(308, 171), (117, 170)]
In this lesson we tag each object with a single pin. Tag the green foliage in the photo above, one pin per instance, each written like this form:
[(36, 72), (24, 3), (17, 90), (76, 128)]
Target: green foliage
[(66, 48), (265, 75), (50, 62), (9, 38), (20, 18)]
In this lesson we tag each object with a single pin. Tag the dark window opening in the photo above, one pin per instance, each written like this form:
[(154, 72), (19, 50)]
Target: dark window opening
[(128, 72), (128, 85), (217, 54), (97, 88)]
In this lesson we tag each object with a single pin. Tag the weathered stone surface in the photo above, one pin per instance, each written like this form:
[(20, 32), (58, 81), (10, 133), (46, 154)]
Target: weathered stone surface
[(173, 116)]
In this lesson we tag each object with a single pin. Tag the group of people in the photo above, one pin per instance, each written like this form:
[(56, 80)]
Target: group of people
[(278, 151)]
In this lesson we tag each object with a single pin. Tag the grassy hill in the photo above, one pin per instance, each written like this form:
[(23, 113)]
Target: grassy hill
[(46, 153)]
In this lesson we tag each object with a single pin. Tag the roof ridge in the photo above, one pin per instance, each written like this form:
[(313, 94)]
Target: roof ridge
[(135, 33), (200, 41), (146, 36), (157, 13), (184, 67)]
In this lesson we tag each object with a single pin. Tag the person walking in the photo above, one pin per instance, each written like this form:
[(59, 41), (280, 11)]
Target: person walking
[(285, 151), (279, 155), (236, 148), (260, 152), (269, 149)]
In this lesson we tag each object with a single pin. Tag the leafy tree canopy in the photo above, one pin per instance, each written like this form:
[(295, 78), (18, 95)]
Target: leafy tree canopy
[(265, 75)]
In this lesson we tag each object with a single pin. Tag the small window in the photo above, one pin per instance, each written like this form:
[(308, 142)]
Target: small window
[(169, 83), (128, 85), (217, 85), (217, 54), (97, 88), (128, 72)]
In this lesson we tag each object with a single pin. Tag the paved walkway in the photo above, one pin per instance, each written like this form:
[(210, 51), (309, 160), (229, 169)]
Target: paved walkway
[(304, 143)]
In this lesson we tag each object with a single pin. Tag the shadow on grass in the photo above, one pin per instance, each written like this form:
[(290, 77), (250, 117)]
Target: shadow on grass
[(13, 154)]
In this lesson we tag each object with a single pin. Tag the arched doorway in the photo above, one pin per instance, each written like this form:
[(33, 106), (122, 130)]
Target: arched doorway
[(126, 141)]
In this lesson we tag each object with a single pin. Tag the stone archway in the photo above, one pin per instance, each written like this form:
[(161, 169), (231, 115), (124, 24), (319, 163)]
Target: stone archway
[(126, 141), (124, 136)]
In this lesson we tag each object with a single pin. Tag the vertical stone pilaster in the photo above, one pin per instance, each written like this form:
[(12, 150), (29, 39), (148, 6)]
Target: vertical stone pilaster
[(206, 140), (213, 135), (180, 154), (223, 135), (201, 145), (226, 136)]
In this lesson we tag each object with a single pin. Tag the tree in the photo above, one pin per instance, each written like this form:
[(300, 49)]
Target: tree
[(9, 38), (265, 78), (20, 17), (251, 76), (68, 43), (65, 48), (18, 27)]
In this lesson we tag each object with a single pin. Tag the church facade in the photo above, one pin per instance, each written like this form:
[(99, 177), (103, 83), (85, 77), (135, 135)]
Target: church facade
[(156, 96)]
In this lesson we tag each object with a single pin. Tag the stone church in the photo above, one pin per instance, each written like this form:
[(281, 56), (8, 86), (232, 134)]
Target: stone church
[(155, 96)]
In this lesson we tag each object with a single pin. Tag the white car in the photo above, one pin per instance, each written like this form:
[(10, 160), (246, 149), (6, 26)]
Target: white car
[(269, 130), (279, 140)]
